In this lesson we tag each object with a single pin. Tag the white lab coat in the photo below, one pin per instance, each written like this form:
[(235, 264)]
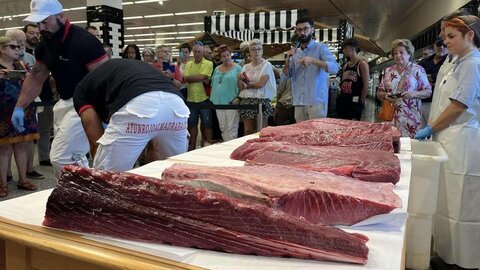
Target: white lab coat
[(457, 219)]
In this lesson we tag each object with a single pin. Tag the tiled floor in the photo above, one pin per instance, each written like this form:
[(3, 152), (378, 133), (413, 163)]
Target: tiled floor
[(369, 115)]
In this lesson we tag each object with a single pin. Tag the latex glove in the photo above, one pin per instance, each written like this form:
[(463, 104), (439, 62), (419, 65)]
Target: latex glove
[(424, 133), (18, 117)]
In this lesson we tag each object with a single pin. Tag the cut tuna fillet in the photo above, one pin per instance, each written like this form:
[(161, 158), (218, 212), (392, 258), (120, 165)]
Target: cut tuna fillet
[(367, 165), (337, 132), (139, 208), (318, 197)]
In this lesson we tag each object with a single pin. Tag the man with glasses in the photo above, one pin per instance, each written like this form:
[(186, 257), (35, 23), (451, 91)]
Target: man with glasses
[(196, 73), (309, 64), (69, 52)]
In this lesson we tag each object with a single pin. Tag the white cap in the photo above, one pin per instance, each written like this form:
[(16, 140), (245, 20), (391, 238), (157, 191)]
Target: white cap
[(41, 9)]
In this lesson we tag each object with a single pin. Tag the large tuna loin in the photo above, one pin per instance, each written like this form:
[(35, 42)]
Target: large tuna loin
[(337, 132), (315, 196), (366, 165), (135, 207)]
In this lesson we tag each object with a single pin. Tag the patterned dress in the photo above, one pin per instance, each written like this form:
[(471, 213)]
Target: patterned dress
[(408, 112), (9, 92)]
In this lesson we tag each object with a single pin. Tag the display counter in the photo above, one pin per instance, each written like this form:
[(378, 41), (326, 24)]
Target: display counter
[(26, 244)]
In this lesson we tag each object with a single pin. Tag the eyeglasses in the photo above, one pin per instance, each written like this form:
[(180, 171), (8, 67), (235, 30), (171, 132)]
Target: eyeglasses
[(13, 47), (300, 30), (256, 49)]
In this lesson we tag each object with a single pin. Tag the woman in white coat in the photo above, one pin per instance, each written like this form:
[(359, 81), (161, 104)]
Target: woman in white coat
[(454, 122)]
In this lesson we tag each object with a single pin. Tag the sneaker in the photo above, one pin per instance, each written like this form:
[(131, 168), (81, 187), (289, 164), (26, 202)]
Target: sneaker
[(34, 175), (45, 162)]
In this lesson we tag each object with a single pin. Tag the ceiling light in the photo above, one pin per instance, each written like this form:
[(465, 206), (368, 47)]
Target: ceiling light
[(145, 1), (187, 24), (190, 12), (190, 32), (78, 22), (145, 39), (185, 37), (176, 43), (162, 26), (160, 2), (158, 15), (138, 27), (129, 40), (166, 38), (78, 8), (144, 35), (127, 3), (167, 33), (128, 36), (132, 17)]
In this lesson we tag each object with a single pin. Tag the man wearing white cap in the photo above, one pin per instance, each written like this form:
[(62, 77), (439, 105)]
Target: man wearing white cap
[(69, 52)]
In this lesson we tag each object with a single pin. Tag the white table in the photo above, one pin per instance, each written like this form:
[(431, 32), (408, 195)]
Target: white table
[(386, 244)]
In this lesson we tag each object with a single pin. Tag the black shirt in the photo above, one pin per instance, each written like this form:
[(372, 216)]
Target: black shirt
[(113, 84), (432, 69), (77, 50), (352, 81)]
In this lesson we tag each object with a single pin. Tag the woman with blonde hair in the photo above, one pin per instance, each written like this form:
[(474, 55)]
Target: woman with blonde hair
[(405, 84), (257, 86), (12, 74)]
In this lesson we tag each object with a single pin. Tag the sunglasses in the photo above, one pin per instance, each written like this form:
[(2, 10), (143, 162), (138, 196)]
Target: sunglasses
[(13, 47)]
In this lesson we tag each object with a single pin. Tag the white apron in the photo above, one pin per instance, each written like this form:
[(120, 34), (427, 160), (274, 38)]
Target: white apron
[(446, 67), (457, 220)]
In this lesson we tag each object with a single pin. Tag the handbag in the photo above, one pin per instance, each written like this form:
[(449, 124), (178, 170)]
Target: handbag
[(387, 111)]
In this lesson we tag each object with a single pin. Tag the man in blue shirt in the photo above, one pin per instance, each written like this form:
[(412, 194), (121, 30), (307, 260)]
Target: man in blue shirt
[(309, 67)]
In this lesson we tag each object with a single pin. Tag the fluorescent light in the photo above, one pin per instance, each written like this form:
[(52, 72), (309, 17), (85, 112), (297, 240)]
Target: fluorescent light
[(78, 8), (164, 25), (128, 36), (133, 17), (190, 32), (187, 24), (129, 40), (145, 39), (190, 12), (127, 3), (172, 44), (166, 33), (145, 1), (79, 22), (144, 35), (158, 15), (166, 38), (138, 27), (185, 37)]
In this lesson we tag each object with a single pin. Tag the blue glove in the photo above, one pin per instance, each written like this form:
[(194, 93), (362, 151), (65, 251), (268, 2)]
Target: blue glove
[(18, 117), (424, 133)]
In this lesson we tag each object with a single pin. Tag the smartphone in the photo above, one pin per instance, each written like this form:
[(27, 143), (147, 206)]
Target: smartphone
[(247, 80), (169, 66), (395, 96), (16, 74)]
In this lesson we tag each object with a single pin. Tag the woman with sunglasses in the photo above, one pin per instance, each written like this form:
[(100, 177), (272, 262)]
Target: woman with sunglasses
[(455, 123), (10, 139), (257, 86)]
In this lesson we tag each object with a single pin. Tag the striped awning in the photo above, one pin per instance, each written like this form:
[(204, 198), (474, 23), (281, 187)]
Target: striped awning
[(279, 36), (270, 20)]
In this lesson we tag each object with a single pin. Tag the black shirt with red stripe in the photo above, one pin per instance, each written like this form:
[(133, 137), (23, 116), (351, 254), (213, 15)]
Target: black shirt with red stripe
[(77, 49), (113, 84)]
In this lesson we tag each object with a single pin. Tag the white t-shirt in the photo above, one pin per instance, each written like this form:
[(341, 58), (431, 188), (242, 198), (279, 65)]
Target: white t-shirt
[(254, 73)]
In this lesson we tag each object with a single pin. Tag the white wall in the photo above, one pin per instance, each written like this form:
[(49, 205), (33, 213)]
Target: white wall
[(418, 18)]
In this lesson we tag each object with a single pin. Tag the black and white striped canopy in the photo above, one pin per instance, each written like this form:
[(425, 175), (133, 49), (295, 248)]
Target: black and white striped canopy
[(279, 36), (284, 19)]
